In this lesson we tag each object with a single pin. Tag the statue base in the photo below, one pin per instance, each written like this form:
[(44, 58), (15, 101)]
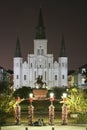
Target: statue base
[(40, 94)]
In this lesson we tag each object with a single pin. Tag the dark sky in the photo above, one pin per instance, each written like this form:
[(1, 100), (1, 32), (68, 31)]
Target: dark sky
[(60, 16)]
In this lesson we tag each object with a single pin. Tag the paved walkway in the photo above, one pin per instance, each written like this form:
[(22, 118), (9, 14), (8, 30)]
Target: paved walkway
[(81, 127)]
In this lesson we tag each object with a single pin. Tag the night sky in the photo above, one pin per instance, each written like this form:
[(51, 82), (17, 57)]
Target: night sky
[(60, 16)]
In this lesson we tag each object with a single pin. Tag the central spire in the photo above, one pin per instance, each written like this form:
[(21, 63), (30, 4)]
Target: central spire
[(40, 34), (63, 50)]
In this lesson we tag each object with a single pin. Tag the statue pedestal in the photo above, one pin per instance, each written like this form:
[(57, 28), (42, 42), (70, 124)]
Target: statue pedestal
[(40, 94)]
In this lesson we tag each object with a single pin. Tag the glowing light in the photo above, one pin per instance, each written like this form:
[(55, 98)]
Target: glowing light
[(51, 95), (64, 95), (31, 95)]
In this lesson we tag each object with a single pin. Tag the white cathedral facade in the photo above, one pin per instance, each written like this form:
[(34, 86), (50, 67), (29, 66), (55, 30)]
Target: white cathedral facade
[(40, 63)]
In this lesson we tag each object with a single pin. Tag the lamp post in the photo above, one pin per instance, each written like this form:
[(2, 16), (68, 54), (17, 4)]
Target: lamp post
[(30, 110), (64, 110), (51, 109), (17, 111)]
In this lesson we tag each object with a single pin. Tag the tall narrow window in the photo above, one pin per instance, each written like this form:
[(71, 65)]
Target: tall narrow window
[(24, 77), (40, 66), (31, 65), (49, 65), (42, 52), (17, 77), (55, 77), (62, 76)]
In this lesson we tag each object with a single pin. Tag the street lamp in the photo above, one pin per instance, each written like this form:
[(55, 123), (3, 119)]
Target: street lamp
[(17, 111), (51, 98), (64, 110)]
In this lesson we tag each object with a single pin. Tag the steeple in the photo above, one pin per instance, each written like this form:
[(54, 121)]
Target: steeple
[(17, 51), (63, 50), (40, 33)]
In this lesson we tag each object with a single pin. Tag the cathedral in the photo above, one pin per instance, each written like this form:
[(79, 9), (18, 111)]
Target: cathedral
[(40, 63)]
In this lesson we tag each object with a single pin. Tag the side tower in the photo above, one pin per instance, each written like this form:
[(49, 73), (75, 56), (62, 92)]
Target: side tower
[(17, 62), (63, 66)]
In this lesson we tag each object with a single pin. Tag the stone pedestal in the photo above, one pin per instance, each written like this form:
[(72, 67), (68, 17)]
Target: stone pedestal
[(40, 94)]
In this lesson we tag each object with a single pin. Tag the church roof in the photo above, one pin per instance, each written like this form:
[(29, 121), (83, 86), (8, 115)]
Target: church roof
[(17, 50), (63, 50), (40, 29)]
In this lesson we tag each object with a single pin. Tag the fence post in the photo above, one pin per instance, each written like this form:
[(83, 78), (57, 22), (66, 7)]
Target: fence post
[(53, 128), (26, 128)]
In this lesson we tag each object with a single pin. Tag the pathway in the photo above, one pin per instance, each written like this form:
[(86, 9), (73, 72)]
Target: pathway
[(81, 127)]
